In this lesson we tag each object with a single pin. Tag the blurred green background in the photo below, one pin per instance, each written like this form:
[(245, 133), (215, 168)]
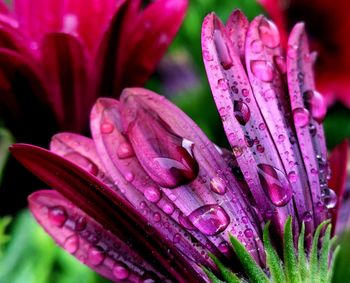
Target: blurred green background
[(28, 255)]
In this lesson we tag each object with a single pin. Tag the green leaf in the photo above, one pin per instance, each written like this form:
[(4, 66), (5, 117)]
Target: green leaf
[(226, 273), (290, 261), (252, 269), (314, 275), (273, 260), (211, 275), (4, 238), (333, 265), (324, 255), (303, 265)]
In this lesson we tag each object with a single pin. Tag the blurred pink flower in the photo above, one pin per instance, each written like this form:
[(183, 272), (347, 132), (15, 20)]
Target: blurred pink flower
[(328, 26)]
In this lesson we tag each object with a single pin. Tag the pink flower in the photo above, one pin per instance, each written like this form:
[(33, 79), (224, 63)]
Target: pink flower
[(328, 26), (57, 57)]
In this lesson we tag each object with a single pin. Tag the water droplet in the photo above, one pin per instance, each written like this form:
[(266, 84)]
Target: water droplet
[(57, 216), (257, 46), (222, 50), (83, 162), (245, 92), (307, 216), (157, 217), (129, 176), (218, 185), (329, 198), (281, 138), (185, 222), (312, 130), (248, 233), (301, 117), (268, 94), (106, 128), (210, 219), (71, 244), (292, 176), (315, 103), (260, 148), (237, 151), (224, 247), (177, 238), (263, 70), (281, 64), (95, 256), (275, 184), (125, 150), (207, 56), (168, 208), (153, 194), (268, 33), (80, 224), (241, 111), (120, 271), (222, 83)]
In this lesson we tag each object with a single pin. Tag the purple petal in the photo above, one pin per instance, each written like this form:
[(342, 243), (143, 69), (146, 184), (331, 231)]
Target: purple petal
[(87, 240), (104, 206), (253, 147), (309, 131), (65, 63)]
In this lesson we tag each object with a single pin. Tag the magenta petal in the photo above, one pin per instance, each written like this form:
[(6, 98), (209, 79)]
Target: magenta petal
[(338, 161), (65, 63), (87, 240), (252, 146), (24, 99), (309, 132), (104, 206)]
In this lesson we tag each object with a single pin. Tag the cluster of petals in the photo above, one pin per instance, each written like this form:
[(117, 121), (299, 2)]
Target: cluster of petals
[(149, 195)]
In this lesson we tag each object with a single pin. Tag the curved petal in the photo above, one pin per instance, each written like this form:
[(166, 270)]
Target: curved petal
[(104, 206), (65, 63), (88, 241)]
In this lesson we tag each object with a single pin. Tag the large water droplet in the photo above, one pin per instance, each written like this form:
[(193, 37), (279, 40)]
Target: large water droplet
[(242, 112), (57, 215), (301, 117), (315, 103), (275, 184), (83, 162), (95, 256), (218, 185), (120, 271), (269, 33), (71, 244), (222, 50), (329, 198), (166, 157), (152, 194), (106, 128), (210, 219), (125, 150), (263, 70)]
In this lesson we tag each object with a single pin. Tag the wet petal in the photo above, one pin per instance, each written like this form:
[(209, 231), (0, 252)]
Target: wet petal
[(87, 240), (104, 206)]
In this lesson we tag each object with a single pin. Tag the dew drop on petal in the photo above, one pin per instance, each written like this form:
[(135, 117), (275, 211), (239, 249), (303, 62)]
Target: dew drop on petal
[(268, 33), (57, 216), (329, 198), (210, 219), (224, 247), (301, 117), (222, 50), (275, 184), (120, 272), (71, 244), (263, 70), (95, 256), (152, 194), (307, 216), (248, 233), (125, 150), (168, 208), (106, 128), (129, 176), (218, 185), (312, 130), (292, 176), (242, 112), (315, 103), (185, 222)]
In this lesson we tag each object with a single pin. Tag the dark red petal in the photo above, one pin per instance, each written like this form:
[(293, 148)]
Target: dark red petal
[(105, 207), (24, 105), (87, 240), (338, 161), (65, 63)]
